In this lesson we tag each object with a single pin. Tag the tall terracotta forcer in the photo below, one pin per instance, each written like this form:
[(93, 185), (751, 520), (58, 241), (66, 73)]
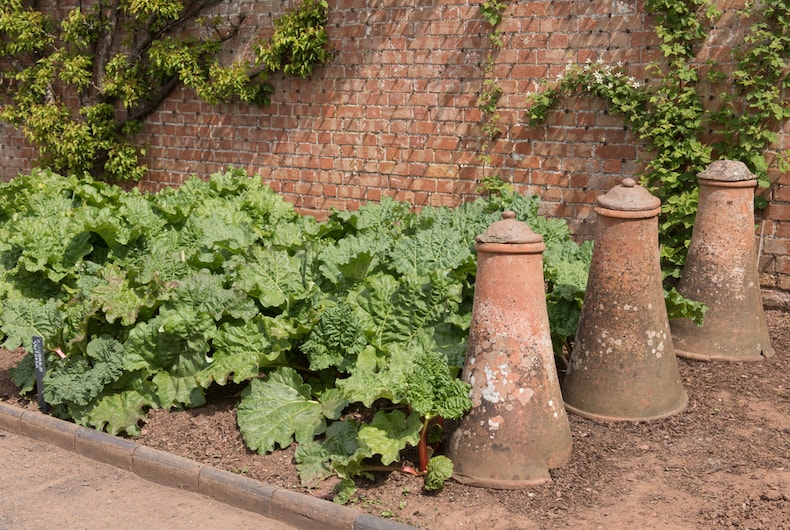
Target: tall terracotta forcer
[(517, 428), (721, 271), (623, 365)]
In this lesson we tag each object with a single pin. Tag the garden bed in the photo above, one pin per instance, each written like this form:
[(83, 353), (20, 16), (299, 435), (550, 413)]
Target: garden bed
[(724, 462)]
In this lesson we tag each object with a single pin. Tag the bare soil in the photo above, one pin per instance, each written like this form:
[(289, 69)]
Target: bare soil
[(723, 463)]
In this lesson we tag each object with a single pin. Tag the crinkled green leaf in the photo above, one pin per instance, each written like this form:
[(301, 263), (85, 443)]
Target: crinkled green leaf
[(440, 469), (78, 380), (335, 340), (177, 390), (350, 259), (433, 390), (339, 452), (437, 248), (368, 384), (384, 216), (176, 204), (116, 298), (383, 319), (159, 257), (226, 229), (108, 225), (344, 491), (312, 462), (23, 374), (117, 411), (273, 277), (566, 263), (390, 432), (24, 317), (278, 411), (51, 239), (73, 381), (204, 293), (241, 349), (679, 306), (333, 402), (175, 341)]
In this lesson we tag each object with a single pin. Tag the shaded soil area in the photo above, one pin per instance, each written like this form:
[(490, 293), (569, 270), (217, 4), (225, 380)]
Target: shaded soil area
[(723, 463)]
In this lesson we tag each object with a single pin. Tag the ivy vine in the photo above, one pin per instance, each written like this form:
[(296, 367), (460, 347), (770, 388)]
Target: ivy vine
[(488, 100), (672, 116)]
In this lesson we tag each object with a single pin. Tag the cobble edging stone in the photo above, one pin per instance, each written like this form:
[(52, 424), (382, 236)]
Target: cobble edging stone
[(301, 511)]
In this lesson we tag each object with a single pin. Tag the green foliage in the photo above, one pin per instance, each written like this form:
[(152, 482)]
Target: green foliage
[(487, 101), (153, 298), (299, 40), (279, 410), (672, 117), (79, 380), (440, 468), (679, 306), (79, 94)]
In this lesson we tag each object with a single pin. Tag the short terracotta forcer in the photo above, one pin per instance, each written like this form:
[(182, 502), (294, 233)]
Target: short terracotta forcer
[(517, 428)]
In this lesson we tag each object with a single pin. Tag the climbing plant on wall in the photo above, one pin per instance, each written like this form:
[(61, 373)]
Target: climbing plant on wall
[(491, 91), (694, 112), (78, 82)]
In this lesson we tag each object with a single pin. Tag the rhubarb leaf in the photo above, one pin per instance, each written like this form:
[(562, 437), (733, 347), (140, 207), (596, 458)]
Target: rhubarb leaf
[(24, 317), (117, 412), (241, 349), (78, 380), (273, 277), (440, 469), (390, 432), (278, 411), (341, 452), (335, 340)]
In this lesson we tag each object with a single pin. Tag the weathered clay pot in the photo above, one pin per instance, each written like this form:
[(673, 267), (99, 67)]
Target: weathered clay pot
[(623, 364), (721, 271), (518, 428)]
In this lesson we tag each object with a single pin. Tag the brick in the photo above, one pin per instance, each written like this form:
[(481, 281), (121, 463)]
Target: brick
[(783, 265), (778, 212), (782, 193), (774, 246), (618, 151), (782, 229)]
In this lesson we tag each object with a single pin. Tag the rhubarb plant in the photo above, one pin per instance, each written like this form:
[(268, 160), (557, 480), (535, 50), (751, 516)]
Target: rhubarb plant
[(345, 336)]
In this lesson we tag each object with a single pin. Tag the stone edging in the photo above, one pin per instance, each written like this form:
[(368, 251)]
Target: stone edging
[(301, 511)]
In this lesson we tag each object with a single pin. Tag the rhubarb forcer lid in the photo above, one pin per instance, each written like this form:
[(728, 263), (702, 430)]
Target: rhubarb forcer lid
[(628, 197), (509, 231), (727, 171)]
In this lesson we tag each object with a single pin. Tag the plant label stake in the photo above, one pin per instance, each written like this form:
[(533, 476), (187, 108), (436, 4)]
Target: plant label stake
[(721, 271), (517, 428), (41, 370), (623, 365)]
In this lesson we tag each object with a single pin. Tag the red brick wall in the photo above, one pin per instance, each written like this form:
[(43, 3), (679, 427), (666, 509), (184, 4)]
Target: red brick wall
[(395, 113)]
